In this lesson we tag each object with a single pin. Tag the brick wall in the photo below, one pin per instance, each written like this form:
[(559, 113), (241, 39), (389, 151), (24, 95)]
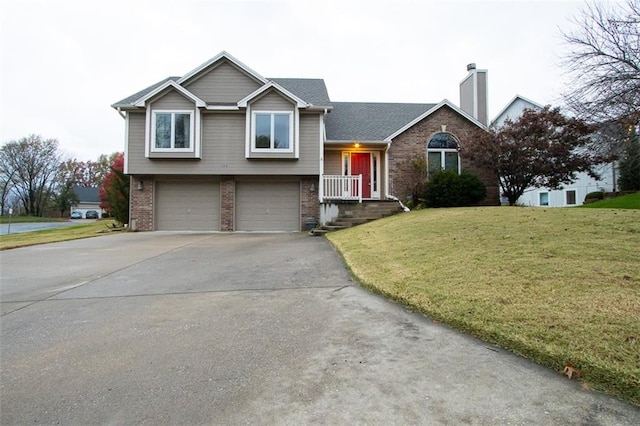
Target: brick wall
[(227, 203), (141, 204), (413, 144), (309, 204)]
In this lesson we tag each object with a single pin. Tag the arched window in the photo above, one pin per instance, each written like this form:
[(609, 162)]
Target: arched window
[(442, 153)]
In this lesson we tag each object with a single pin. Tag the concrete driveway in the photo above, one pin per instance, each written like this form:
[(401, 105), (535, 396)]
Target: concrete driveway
[(163, 328)]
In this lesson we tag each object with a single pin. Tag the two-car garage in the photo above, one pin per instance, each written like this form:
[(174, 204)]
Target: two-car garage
[(195, 205)]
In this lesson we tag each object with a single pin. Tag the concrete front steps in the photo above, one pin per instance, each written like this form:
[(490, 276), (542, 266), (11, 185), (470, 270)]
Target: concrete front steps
[(352, 214)]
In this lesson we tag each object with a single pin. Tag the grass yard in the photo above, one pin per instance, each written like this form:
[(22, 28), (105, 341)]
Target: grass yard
[(72, 232), (629, 201), (557, 286)]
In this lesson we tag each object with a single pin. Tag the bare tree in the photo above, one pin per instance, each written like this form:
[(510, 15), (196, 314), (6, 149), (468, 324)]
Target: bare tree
[(6, 185), (33, 164), (604, 63)]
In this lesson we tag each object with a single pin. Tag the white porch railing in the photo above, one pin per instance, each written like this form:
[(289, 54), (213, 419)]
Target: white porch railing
[(336, 187)]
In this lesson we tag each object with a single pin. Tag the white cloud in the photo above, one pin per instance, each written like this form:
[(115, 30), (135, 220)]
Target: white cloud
[(64, 63)]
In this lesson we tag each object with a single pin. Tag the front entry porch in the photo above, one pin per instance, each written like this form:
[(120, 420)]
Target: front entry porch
[(351, 176)]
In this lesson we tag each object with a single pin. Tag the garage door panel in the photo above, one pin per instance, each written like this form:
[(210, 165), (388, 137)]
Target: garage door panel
[(268, 206), (188, 206)]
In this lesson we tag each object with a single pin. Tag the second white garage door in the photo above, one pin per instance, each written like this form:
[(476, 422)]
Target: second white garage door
[(188, 206), (268, 206)]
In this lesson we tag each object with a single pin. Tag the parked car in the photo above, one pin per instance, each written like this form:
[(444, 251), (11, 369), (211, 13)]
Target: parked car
[(76, 215), (91, 214)]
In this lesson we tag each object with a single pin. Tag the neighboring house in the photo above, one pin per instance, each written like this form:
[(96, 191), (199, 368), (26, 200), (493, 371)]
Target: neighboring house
[(223, 148), (572, 194), (88, 199)]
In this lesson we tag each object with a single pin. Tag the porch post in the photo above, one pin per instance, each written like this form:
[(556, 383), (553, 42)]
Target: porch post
[(360, 188)]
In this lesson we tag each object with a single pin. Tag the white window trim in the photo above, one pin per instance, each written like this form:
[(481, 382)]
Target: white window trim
[(293, 137), (442, 151), (375, 195), (565, 196), (548, 199), (192, 130)]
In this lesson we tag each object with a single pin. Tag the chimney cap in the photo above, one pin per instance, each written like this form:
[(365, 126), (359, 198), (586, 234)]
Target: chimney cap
[(471, 66)]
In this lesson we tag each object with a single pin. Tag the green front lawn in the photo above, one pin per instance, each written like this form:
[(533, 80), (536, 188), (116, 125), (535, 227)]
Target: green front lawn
[(71, 232), (557, 286), (629, 201)]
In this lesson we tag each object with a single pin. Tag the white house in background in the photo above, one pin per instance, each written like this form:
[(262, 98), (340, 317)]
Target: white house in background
[(88, 199), (572, 194)]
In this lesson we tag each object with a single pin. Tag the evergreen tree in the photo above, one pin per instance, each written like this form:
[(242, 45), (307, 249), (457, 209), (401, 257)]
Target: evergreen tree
[(630, 163)]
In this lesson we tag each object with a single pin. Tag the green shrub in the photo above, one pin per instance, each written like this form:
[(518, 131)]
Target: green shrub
[(597, 195), (450, 189)]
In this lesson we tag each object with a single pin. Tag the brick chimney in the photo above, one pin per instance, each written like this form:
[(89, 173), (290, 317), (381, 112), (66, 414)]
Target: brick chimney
[(473, 94)]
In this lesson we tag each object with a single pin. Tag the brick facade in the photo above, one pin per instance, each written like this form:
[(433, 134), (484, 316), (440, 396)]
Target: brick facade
[(412, 144), (141, 203), (309, 203), (227, 203)]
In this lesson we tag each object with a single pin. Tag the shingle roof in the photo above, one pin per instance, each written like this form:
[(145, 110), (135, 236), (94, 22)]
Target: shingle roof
[(369, 121), (87, 194), (129, 100), (311, 90)]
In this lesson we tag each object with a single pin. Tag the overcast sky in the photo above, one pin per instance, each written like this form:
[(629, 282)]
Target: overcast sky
[(64, 62)]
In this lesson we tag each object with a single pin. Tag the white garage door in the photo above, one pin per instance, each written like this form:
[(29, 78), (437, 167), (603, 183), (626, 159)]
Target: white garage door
[(268, 206), (188, 206)]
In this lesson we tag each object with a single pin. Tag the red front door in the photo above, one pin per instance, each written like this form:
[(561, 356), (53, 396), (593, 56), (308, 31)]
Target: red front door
[(361, 165)]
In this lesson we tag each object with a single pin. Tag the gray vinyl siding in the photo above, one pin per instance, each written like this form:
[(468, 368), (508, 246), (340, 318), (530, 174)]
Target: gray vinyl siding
[(482, 97), (223, 150), (272, 101), (333, 162), (173, 101), (466, 95), (224, 83), (135, 142)]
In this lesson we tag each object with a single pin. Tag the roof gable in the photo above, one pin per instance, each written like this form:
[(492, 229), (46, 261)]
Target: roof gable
[(435, 108), (205, 67), (169, 84), (517, 99), (272, 86)]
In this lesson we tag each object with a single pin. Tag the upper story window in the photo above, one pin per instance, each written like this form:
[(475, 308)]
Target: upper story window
[(272, 131), (172, 131), (442, 153)]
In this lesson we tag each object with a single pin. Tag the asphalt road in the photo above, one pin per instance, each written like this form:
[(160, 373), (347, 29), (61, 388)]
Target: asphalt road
[(162, 328), (17, 228)]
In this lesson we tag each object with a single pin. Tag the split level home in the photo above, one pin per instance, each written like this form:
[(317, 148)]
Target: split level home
[(223, 148), (571, 194)]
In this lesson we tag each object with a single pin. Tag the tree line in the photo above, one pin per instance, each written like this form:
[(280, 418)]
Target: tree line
[(37, 179)]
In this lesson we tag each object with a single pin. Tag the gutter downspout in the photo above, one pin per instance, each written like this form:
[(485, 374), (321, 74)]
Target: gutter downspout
[(386, 178)]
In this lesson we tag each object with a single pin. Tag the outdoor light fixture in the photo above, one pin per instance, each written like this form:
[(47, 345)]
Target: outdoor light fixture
[(140, 185), (312, 187), (357, 145)]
